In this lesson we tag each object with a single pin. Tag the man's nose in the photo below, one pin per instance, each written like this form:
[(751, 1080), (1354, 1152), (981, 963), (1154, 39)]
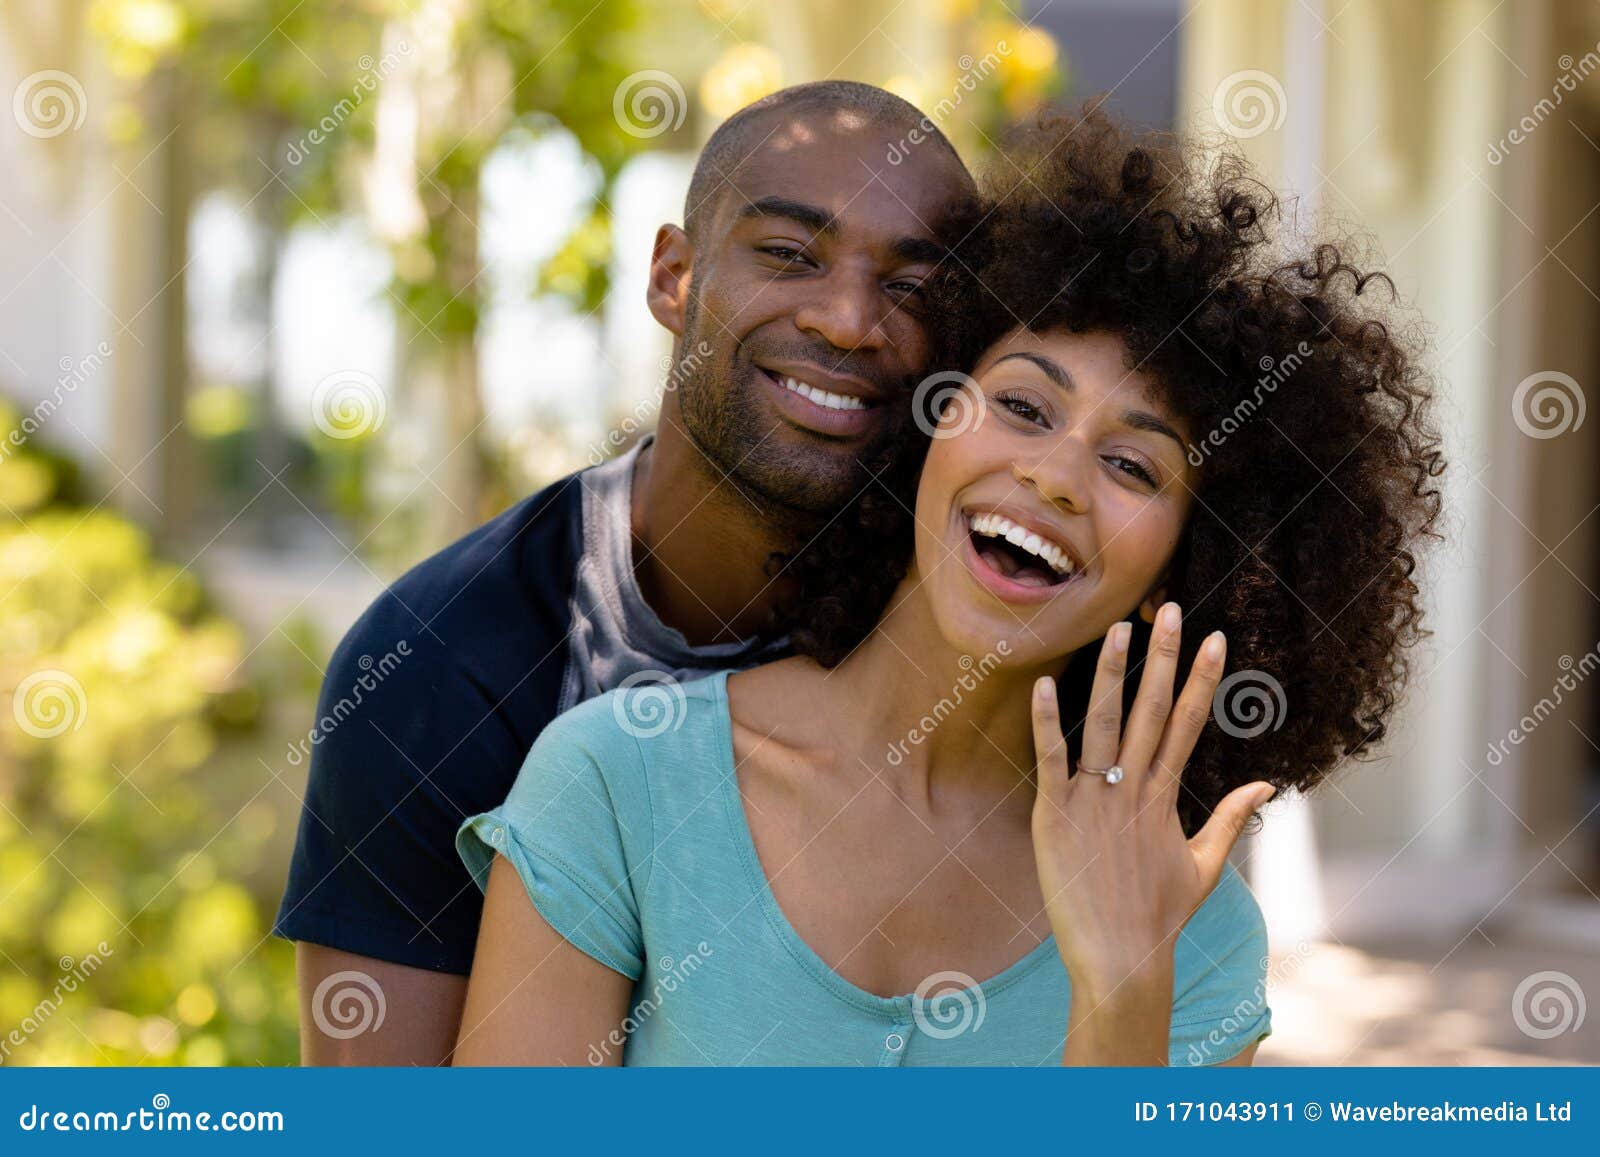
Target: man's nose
[(846, 311)]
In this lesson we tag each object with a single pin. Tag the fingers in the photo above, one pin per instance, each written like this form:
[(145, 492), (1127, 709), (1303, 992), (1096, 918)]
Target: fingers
[(1212, 843), (1049, 744), (1102, 726), (1187, 719), (1153, 704)]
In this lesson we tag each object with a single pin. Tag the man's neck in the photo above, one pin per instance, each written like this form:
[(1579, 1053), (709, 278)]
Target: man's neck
[(701, 543)]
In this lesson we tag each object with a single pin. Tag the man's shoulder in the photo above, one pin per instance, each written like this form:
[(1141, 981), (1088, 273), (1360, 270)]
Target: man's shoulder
[(508, 580)]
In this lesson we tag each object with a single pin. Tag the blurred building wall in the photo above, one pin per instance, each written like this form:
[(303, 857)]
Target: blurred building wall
[(1388, 115)]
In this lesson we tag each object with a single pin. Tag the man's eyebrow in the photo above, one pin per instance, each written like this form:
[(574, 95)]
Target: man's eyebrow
[(920, 249), (1134, 419), (813, 218)]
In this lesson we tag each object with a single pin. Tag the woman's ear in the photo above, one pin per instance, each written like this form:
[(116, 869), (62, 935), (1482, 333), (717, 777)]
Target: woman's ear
[(667, 294)]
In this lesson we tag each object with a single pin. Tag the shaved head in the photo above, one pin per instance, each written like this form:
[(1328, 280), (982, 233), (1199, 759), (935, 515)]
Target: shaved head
[(739, 139)]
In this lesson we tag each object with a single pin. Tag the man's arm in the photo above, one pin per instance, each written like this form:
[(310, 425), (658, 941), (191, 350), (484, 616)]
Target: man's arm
[(426, 1007), (534, 999)]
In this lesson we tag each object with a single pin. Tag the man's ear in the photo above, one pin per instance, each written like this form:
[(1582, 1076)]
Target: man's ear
[(670, 263)]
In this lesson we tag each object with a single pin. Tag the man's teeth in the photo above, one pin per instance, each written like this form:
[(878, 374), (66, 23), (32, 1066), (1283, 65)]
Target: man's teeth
[(998, 526), (823, 397)]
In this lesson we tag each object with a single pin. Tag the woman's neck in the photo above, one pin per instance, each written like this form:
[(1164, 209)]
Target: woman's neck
[(934, 718)]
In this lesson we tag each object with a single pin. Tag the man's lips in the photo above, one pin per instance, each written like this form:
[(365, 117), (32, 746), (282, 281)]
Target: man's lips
[(823, 403)]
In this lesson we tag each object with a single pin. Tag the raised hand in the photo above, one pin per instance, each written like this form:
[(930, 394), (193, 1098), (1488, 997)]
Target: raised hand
[(1119, 877)]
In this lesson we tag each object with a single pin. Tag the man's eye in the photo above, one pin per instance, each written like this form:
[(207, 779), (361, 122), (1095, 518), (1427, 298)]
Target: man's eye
[(782, 252)]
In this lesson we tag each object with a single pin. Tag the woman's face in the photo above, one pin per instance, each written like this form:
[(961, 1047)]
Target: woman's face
[(1068, 451)]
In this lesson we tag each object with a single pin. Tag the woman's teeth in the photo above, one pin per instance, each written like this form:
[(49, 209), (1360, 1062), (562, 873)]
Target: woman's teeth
[(822, 397), (998, 526)]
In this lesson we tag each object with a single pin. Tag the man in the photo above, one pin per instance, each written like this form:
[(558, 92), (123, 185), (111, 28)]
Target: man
[(792, 291)]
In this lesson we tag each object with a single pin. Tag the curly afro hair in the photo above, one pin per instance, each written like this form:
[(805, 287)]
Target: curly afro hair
[(1315, 453)]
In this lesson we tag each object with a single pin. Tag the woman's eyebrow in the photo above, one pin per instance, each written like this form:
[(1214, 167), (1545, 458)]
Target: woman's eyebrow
[(1133, 419)]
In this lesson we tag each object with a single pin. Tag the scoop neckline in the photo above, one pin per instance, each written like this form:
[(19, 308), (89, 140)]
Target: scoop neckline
[(896, 1008)]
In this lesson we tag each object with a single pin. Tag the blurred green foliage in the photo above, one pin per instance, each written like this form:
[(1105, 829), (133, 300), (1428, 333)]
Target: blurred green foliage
[(137, 867)]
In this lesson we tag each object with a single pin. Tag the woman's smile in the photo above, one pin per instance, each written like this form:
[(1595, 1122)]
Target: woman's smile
[(1017, 557)]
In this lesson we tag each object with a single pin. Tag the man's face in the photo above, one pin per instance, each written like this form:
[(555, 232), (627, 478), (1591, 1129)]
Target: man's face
[(807, 286)]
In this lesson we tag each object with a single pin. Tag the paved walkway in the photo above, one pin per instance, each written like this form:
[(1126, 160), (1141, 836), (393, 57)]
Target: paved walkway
[(1435, 1004)]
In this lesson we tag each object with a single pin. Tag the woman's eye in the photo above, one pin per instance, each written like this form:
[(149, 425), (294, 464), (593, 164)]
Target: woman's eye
[(1134, 468), (1020, 407), (905, 287)]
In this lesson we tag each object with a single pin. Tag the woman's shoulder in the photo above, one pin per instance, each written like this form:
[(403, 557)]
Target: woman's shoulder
[(1227, 932), (652, 716)]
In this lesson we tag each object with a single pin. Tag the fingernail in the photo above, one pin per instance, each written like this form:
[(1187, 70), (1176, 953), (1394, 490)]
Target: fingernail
[(1169, 617), (1213, 646), (1120, 634), (1044, 687), (1265, 794)]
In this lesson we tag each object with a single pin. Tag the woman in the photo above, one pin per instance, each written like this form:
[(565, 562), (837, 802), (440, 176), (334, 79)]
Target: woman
[(884, 850)]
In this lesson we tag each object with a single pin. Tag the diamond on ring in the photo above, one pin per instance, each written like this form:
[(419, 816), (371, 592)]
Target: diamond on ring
[(1113, 775)]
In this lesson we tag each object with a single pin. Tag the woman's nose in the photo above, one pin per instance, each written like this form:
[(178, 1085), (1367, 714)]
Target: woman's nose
[(1061, 476)]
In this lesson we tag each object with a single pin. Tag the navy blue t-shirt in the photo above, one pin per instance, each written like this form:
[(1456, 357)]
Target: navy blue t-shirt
[(434, 697)]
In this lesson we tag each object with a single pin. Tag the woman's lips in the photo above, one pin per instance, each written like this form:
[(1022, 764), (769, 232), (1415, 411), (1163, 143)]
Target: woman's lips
[(1001, 586)]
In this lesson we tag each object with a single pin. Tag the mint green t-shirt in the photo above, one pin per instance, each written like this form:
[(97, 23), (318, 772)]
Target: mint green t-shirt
[(627, 828)]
